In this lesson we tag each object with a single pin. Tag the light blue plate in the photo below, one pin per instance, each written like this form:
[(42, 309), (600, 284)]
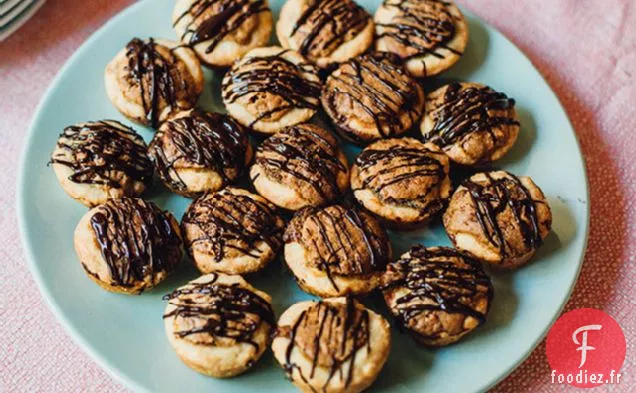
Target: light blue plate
[(125, 333)]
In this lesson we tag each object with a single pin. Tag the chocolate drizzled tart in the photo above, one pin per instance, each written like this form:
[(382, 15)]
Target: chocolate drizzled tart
[(334, 345), (300, 166), (326, 32), (437, 294), (128, 245), (98, 160), (149, 81), (428, 35), (472, 123), (498, 218), (402, 181), (232, 231), (196, 152), (222, 31), (336, 251), (219, 325), (271, 88), (372, 97)]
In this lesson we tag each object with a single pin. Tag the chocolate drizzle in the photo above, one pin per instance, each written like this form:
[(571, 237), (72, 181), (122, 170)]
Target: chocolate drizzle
[(137, 240), (326, 24), (229, 220), (438, 279), (377, 87), (330, 334), (213, 310), (101, 151), (397, 169), (423, 27), (214, 20), (307, 154), (157, 76), (200, 139), (342, 241), (275, 75), (493, 197), (466, 110)]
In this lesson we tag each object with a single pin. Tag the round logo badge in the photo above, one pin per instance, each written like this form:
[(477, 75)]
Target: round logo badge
[(586, 348)]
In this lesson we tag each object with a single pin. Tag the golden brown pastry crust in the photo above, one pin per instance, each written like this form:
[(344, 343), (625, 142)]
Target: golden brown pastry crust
[(326, 32), (372, 97), (402, 181), (471, 122), (300, 166), (149, 81), (335, 251), (335, 345), (428, 35), (271, 88), (222, 31), (498, 218), (128, 245), (98, 160), (218, 324), (437, 294), (196, 152), (232, 231)]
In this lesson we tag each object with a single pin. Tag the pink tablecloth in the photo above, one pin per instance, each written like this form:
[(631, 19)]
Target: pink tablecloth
[(585, 48)]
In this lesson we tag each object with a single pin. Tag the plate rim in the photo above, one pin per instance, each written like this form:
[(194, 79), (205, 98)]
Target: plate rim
[(20, 19), (127, 382)]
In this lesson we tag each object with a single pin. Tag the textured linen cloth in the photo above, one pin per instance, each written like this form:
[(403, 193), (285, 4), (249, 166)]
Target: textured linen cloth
[(586, 49)]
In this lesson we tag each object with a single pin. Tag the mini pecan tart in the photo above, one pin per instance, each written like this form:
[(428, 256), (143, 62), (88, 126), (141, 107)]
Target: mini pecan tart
[(271, 88), (335, 345), (498, 218), (428, 35), (232, 231), (326, 32), (149, 81), (98, 160), (437, 294), (371, 97), (402, 181), (218, 324), (336, 251), (472, 123), (300, 166), (222, 31), (197, 152), (128, 245)]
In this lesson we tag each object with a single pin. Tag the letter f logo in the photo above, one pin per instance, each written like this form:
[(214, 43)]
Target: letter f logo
[(583, 344)]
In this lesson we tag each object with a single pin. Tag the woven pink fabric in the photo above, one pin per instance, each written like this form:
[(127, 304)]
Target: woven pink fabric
[(586, 49)]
